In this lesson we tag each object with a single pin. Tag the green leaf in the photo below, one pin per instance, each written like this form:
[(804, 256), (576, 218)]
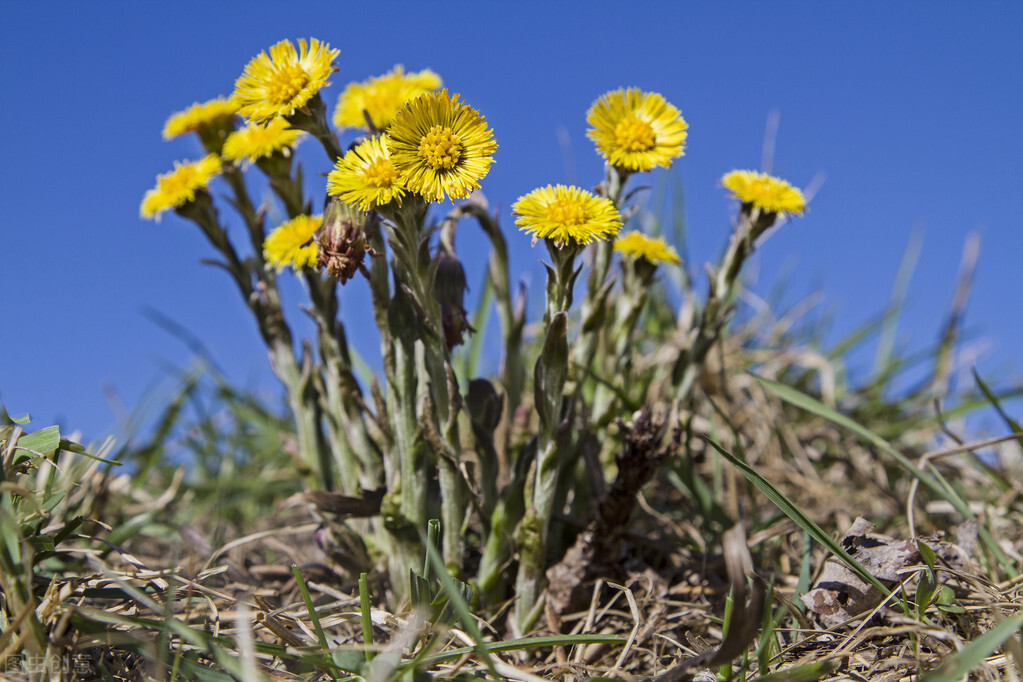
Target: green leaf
[(551, 372), (801, 673), (926, 553), (71, 446), (420, 590), (349, 660), (54, 500), (41, 543), (946, 601), (43, 441), (955, 667), (67, 529), (924, 591)]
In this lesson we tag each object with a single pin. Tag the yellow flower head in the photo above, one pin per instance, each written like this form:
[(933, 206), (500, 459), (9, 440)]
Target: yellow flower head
[(561, 213), (767, 193), (193, 118), (291, 243), (440, 145), (277, 84), (366, 177), (381, 97), (255, 141), (637, 130), (179, 186), (651, 249)]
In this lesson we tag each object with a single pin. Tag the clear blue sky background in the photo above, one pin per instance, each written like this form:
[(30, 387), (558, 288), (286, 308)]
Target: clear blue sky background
[(912, 110)]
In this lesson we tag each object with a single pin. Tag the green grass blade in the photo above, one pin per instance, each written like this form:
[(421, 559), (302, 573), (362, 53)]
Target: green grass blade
[(886, 341), (471, 354), (956, 667), (1013, 425), (461, 607), (321, 637), (805, 402), (525, 643), (797, 515), (367, 618)]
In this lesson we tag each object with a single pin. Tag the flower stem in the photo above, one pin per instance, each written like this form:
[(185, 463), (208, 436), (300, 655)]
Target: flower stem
[(554, 440)]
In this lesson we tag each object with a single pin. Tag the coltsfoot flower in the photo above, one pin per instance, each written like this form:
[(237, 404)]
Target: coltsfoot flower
[(560, 213), (637, 130), (214, 112), (179, 186), (291, 243), (255, 141), (381, 97), (366, 176), (279, 83), (654, 250), (441, 146), (762, 191)]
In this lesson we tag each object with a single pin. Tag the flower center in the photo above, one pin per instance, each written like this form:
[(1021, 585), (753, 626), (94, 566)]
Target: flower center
[(380, 173), (566, 212), (440, 148), (381, 105), (286, 82), (634, 135), (760, 190), (185, 178)]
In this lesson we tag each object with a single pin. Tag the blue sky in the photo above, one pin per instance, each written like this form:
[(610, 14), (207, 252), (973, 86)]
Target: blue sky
[(912, 112)]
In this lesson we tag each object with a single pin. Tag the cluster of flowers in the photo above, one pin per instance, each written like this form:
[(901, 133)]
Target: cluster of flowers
[(421, 141)]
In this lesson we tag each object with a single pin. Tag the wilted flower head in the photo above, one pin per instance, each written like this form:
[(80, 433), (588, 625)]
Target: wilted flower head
[(561, 214), (291, 243), (366, 176), (637, 130), (441, 146), (215, 112), (764, 192), (654, 250), (179, 186), (381, 97), (341, 243), (255, 141), (285, 80), (449, 289)]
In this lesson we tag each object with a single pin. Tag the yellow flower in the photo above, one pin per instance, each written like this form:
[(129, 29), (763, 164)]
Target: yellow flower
[(637, 130), (179, 186), (381, 97), (291, 243), (198, 115), (767, 193), (278, 84), (366, 177), (651, 249), (440, 145), (561, 213), (255, 141)]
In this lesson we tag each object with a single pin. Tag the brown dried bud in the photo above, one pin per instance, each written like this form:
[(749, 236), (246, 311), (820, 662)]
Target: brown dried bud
[(449, 289), (341, 241)]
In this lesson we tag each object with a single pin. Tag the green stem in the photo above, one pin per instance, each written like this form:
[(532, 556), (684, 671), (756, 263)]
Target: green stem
[(689, 363), (553, 440)]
